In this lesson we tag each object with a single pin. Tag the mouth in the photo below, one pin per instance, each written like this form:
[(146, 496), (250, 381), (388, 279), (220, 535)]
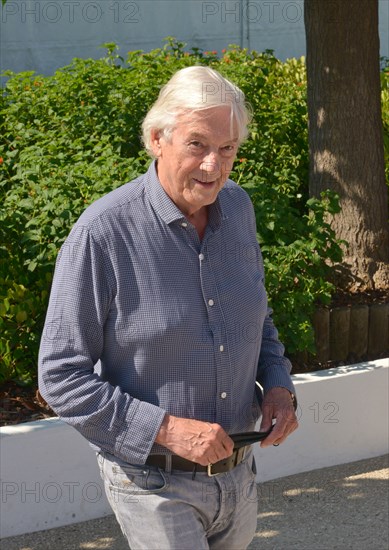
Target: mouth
[(204, 183)]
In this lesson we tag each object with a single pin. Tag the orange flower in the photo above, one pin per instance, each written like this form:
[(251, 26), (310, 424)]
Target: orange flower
[(1, 160)]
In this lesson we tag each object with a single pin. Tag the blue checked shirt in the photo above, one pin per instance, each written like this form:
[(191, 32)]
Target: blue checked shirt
[(144, 319)]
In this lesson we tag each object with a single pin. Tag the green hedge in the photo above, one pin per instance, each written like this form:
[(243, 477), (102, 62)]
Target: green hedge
[(69, 138)]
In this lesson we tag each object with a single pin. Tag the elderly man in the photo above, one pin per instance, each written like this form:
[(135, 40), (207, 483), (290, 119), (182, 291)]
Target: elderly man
[(158, 330)]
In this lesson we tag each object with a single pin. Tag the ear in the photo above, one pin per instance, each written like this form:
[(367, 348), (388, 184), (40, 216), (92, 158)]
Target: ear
[(156, 142)]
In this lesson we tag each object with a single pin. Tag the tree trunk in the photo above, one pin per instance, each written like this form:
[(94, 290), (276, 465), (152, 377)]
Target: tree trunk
[(345, 132)]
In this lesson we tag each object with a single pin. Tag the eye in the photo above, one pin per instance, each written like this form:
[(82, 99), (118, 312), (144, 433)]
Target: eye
[(195, 147), (229, 149)]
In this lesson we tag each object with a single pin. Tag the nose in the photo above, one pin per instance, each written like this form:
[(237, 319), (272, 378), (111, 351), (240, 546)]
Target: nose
[(211, 163)]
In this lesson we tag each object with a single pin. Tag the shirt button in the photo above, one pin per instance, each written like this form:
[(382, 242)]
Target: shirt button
[(184, 224), (223, 395), (211, 302), (201, 256), (221, 348)]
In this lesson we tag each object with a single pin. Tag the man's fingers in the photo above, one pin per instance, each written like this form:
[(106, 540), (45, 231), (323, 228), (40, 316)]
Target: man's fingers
[(267, 418), (280, 432), (195, 440), (210, 453), (278, 405)]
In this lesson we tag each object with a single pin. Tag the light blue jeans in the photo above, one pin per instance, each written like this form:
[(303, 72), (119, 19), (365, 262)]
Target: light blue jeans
[(157, 510)]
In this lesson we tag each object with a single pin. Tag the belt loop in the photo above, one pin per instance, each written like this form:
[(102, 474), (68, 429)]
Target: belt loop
[(240, 455), (168, 464), (243, 454), (194, 472)]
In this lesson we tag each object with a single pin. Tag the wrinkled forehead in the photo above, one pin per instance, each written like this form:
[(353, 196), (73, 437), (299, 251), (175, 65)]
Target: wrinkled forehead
[(219, 121)]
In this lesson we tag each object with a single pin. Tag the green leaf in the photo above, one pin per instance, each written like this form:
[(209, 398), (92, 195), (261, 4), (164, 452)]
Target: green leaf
[(21, 316)]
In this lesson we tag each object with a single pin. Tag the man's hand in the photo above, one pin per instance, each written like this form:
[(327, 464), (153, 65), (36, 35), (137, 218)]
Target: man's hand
[(277, 404), (201, 442)]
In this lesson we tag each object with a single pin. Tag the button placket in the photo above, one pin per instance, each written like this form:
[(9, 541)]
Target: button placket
[(215, 318), (191, 236)]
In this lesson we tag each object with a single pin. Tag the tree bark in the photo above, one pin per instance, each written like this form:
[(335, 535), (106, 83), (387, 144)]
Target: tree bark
[(345, 132)]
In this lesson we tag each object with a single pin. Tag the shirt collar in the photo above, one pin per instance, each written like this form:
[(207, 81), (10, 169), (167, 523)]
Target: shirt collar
[(165, 207)]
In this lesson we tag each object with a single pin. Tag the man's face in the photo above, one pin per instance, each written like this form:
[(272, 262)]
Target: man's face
[(197, 160)]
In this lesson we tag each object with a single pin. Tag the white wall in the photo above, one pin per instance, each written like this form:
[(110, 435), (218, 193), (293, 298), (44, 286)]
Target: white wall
[(44, 35), (49, 476), (343, 416)]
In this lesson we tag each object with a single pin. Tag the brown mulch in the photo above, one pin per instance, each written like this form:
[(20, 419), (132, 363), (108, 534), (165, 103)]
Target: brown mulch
[(20, 404), (369, 297)]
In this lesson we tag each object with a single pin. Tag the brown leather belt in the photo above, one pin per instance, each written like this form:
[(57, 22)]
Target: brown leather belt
[(178, 463)]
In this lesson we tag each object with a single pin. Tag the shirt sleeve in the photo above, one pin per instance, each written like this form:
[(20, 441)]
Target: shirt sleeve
[(71, 345), (273, 367)]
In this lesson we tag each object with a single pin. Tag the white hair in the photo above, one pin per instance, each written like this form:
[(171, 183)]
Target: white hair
[(194, 88)]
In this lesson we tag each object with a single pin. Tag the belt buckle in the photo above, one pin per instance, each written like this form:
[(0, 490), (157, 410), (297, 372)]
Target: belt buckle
[(239, 457), (209, 471)]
